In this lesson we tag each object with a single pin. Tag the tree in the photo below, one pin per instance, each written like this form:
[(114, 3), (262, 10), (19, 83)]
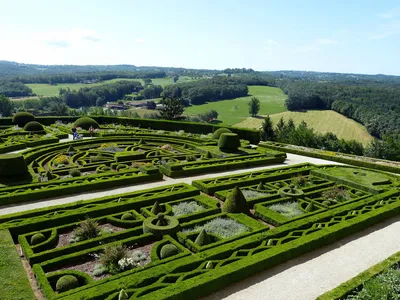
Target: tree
[(5, 106), (267, 130), (175, 78), (100, 101), (147, 81), (254, 106), (151, 105), (172, 108), (208, 116)]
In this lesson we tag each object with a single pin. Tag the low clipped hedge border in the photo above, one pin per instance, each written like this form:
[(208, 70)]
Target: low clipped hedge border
[(61, 190), (344, 160), (217, 165), (355, 283)]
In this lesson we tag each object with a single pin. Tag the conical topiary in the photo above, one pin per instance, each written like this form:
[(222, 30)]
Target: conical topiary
[(161, 220), (208, 155), (310, 207), (141, 142), (123, 295), (71, 149), (203, 238), (209, 265), (156, 209), (260, 186), (235, 202), (185, 146), (49, 175), (35, 164)]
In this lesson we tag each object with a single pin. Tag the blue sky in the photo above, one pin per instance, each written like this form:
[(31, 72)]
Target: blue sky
[(351, 36)]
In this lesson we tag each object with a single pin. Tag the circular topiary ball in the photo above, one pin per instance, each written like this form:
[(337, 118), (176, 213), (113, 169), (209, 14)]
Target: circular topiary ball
[(66, 283), (33, 126), (22, 118), (168, 250), (127, 217), (37, 238), (229, 142), (217, 133), (86, 122)]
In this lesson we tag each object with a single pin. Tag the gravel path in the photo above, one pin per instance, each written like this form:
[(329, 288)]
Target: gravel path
[(319, 271)]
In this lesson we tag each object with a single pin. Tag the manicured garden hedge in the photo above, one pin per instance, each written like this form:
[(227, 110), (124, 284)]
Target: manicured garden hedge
[(209, 267)]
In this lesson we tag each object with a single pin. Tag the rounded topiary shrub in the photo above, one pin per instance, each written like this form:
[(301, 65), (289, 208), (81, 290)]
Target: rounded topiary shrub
[(66, 283), (168, 250), (22, 118), (229, 142), (217, 133), (37, 238), (127, 216), (33, 126), (13, 165), (86, 122)]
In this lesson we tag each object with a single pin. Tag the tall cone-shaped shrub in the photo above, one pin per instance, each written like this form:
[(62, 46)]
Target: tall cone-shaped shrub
[(235, 202), (203, 238), (156, 209)]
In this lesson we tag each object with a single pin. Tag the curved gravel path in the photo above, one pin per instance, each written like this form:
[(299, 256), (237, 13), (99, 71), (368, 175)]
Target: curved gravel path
[(314, 273)]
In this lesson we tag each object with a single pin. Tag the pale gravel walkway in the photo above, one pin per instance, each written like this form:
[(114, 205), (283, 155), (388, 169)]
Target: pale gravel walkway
[(319, 271), (291, 160)]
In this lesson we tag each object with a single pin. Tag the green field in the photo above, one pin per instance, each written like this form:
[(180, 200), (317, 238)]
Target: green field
[(52, 90), (234, 111), (322, 121)]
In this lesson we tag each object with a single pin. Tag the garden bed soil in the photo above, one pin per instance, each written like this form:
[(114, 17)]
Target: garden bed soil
[(64, 238), (88, 266)]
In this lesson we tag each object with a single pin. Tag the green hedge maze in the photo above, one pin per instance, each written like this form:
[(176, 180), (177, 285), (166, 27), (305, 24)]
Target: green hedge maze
[(186, 241), (113, 155)]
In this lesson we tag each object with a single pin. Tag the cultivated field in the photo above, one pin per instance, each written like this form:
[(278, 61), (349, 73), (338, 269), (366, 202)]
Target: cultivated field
[(322, 121), (237, 110), (52, 90)]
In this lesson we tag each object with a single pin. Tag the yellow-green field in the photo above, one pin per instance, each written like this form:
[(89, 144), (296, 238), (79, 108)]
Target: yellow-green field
[(234, 111), (322, 121), (42, 89)]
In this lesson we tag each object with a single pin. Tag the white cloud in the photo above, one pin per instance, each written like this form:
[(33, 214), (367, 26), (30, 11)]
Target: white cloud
[(305, 49), (272, 42), (386, 30), (390, 14), (67, 38), (326, 42), (139, 41)]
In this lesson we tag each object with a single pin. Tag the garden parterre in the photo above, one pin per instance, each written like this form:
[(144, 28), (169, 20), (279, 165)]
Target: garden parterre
[(117, 154), (186, 241)]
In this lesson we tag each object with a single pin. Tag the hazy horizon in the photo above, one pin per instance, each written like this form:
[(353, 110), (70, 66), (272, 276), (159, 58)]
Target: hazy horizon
[(336, 37)]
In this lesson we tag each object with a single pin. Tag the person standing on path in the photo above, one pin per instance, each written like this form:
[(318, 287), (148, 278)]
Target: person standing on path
[(74, 133), (91, 129)]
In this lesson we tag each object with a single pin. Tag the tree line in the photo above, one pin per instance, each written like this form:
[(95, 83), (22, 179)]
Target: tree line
[(100, 94), (14, 89), (302, 135), (83, 77)]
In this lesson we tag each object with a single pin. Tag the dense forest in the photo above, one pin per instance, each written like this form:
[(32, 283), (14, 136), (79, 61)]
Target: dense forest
[(83, 77), (100, 94), (14, 89)]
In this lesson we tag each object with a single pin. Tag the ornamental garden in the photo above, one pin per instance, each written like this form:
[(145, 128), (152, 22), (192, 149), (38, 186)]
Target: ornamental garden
[(175, 241)]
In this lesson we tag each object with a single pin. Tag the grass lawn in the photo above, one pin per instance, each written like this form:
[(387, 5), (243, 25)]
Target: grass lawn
[(14, 282), (234, 111), (52, 90), (322, 121)]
